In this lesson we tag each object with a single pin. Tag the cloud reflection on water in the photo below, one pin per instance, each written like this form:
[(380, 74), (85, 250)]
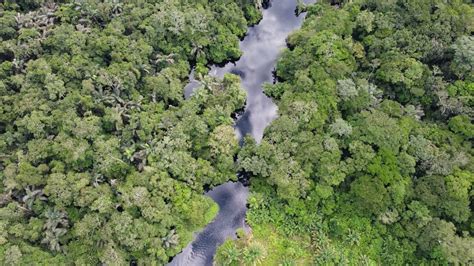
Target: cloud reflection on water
[(261, 49)]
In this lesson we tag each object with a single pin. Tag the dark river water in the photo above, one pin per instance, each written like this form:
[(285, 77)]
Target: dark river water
[(261, 48)]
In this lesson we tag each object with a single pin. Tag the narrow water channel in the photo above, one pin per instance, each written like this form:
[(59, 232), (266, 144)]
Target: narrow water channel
[(261, 47)]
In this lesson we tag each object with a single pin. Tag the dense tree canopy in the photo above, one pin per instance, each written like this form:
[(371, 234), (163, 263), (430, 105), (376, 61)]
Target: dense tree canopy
[(101, 159), (371, 159)]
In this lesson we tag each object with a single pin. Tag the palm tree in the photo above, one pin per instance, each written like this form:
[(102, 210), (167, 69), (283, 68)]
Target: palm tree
[(41, 19), (56, 219), (287, 261), (197, 50), (364, 260), (228, 254), (5, 198), (254, 254), (32, 195), (210, 83), (326, 256), (55, 227), (117, 8), (352, 238), (259, 4), (18, 65), (98, 179), (171, 239), (164, 58), (51, 238)]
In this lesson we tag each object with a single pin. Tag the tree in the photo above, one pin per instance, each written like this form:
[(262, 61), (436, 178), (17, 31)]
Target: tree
[(340, 128), (461, 124), (56, 226), (440, 241), (12, 255), (463, 63), (228, 254), (365, 20), (448, 195), (407, 75), (370, 194), (254, 254)]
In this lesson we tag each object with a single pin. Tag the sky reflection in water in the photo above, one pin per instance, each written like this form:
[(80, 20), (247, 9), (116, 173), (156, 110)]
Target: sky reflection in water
[(261, 48)]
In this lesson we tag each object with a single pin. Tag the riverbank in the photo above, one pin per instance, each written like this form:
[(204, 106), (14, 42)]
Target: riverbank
[(260, 48)]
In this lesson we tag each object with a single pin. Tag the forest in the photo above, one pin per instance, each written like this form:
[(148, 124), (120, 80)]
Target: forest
[(104, 162), (371, 159)]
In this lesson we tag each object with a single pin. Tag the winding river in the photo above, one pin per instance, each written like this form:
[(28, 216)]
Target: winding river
[(261, 47)]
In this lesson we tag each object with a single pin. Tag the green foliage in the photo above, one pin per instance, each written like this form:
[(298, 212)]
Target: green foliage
[(246, 250), (101, 159), (405, 73), (447, 195), (463, 63), (452, 248), (462, 124), (371, 155)]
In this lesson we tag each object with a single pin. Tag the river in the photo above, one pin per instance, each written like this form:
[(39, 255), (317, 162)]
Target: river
[(261, 48)]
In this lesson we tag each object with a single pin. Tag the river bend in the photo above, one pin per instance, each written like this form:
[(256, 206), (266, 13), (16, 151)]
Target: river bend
[(261, 48)]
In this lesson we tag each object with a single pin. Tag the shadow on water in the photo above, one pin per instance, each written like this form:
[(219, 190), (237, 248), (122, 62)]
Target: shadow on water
[(261, 47)]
